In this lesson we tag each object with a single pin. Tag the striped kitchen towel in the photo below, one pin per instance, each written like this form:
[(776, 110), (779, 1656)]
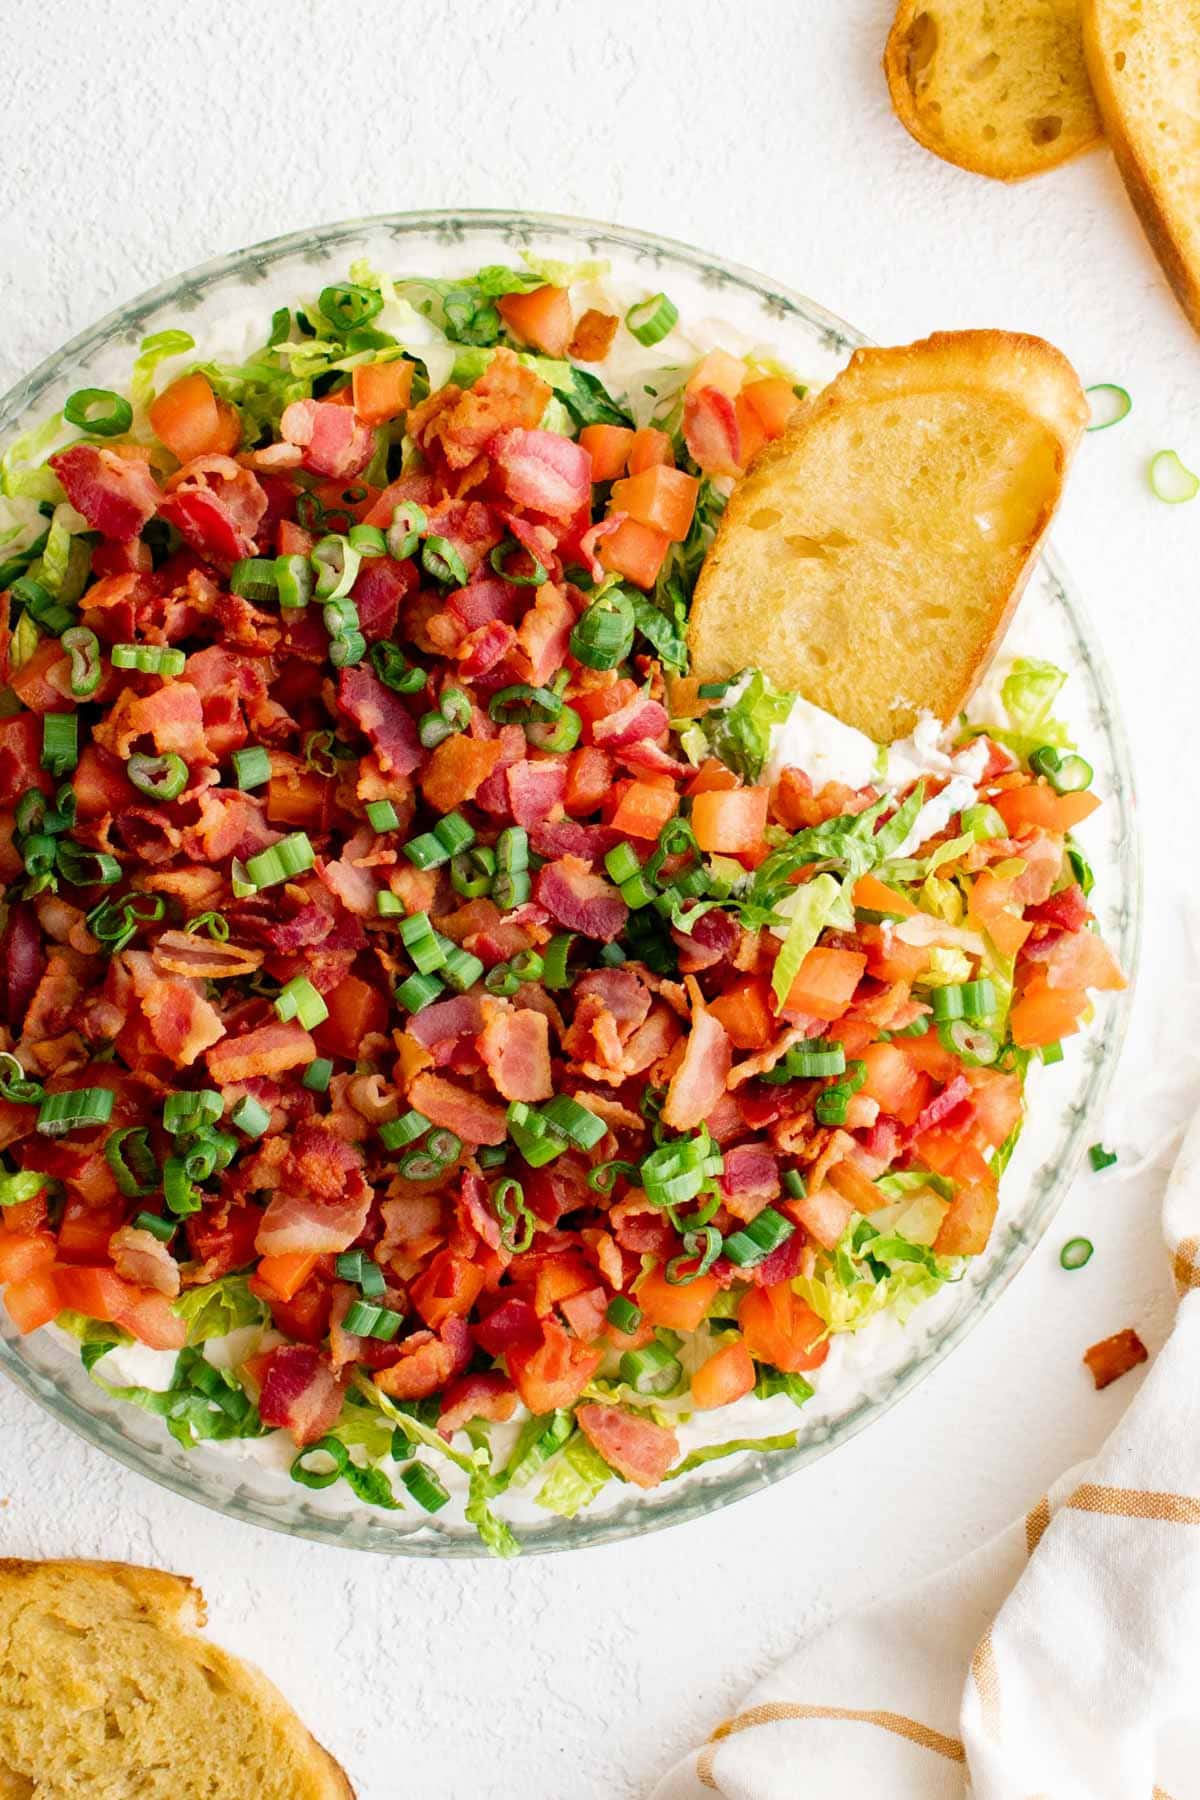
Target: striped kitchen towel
[(1059, 1662)]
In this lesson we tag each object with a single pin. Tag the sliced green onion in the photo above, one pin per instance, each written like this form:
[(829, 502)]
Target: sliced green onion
[(24, 1185), (427, 1488), (368, 540), (163, 1229), (1100, 1158), (299, 999), (129, 1156), (562, 735), (404, 533), (397, 1134), (555, 958), (975, 1046), (621, 862), (317, 1075), (650, 1370), (158, 777), (317, 1479), (503, 554), (1111, 405), (522, 704), (191, 1111), (250, 1116), (60, 742), (335, 566), (454, 833), (418, 991), (96, 868), (713, 690), (251, 768), (423, 943), (347, 306), (701, 1249), (178, 1192), (388, 905), (382, 816), (527, 965), (1171, 481), (983, 822), (511, 890), (292, 855), (978, 999), (293, 581), (349, 1265), (517, 1223), (98, 411), (461, 970), (83, 647), (426, 851), (1076, 1252), (794, 1184), (652, 320), (441, 560), (473, 871), (1066, 774), (512, 849), (438, 1152), (1051, 1053), (623, 1314), (754, 1242), (603, 636), (148, 659), (74, 1111), (373, 1283), (254, 578), (502, 981), (576, 1123)]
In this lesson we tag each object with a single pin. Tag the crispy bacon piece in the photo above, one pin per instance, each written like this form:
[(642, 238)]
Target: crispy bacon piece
[(1114, 1356), (334, 442), (489, 1395), (268, 1050), (182, 1022), (468, 1115), (553, 838), (300, 1393), (22, 961), (217, 508), (543, 470), (594, 333), (115, 494), (323, 1199), (621, 991), (545, 632), (139, 1257), (712, 939), (515, 1047), (512, 1322), (634, 1446), (580, 900), (699, 1081), (535, 790), (382, 718), (172, 716), (1068, 909), (448, 1020), (462, 424), (750, 1180), (638, 718), (427, 1361)]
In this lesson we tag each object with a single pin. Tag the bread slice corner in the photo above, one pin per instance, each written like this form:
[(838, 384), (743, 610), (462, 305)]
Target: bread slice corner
[(1144, 60), (871, 558), (997, 88), (107, 1690)]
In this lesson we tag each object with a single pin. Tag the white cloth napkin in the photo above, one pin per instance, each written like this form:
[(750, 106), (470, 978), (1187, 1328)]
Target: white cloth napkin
[(1059, 1662)]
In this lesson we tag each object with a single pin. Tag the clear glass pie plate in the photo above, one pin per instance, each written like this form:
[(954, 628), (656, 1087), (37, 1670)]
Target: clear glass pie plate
[(866, 1373)]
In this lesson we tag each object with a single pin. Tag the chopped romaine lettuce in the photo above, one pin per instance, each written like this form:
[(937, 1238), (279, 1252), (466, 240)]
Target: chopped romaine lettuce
[(786, 1440), (741, 734), (1028, 693), (576, 1478), (153, 350), (218, 1308), (812, 907), (202, 1403)]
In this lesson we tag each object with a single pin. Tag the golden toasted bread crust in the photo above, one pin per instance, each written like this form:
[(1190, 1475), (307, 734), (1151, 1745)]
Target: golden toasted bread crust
[(126, 1624), (1158, 198), (754, 601), (923, 35)]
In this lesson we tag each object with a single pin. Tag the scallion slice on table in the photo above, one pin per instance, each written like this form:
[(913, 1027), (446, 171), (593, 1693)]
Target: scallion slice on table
[(1076, 1252), (1109, 403), (1100, 1158), (652, 320), (1171, 481)]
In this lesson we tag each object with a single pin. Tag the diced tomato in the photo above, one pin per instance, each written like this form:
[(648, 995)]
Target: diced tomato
[(650, 449), (779, 1328), (662, 497), (710, 426), (725, 1377), (773, 400), (190, 420), (102, 1294), (589, 778), (720, 370), (24, 1253), (635, 551), (85, 1229), (995, 1104), (744, 1010), (1038, 808), (301, 797), (608, 446), (599, 702), (825, 1213), (752, 433), (553, 1373), (1114, 1356), (891, 1077), (356, 1010), (382, 390), (448, 1289), (730, 821), (306, 1315), (1044, 1014), (42, 683), (33, 1301), (558, 1277), (643, 810), (678, 1308), (967, 1225), (873, 895), (285, 1275), (825, 982), (542, 319)]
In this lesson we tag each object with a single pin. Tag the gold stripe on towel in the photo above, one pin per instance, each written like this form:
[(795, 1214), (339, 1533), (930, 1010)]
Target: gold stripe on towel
[(897, 1723), (987, 1680), (1036, 1521), (1185, 1265), (1134, 1503), (704, 1767)]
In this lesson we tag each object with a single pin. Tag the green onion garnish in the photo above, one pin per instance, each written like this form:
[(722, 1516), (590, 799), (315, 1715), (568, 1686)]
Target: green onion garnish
[(293, 581), (403, 535), (754, 1242), (292, 855), (440, 1150), (74, 1111), (623, 1314), (418, 991), (191, 1111), (650, 1370), (652, 320), (83, 647), (129, 1156), (347, 306), (397, 1134), (426, 1487), (1171, 481), (158, 777), (1111, 405), (60, 742), (98, 411), (251, 768), (148, 659), (576, 1123), (441, 560), (603, 636), (316, 1077), (163, 1229), (382, 816), (250, 1116), (254, 578), (1076, 1252), (299, 999)]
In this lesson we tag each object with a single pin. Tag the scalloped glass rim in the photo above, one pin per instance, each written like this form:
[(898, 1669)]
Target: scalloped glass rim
[(55, 1379)]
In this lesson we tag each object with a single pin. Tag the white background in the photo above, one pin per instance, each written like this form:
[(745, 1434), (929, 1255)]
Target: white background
[(135, 141)]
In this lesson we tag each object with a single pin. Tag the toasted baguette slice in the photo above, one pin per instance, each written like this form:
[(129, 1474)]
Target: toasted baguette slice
[(1144, 61), (997, 88), (870, 559), (107, 1691)]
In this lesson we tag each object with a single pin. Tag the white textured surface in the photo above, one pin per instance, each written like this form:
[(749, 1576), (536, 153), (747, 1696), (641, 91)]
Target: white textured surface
[(136, 141)]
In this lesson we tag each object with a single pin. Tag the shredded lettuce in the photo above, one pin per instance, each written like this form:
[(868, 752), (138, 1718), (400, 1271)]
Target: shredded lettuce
[(813, 905), (90, 1332), (482, 1485), (219, 1308), (1028, 693), (869, 1273), (741, 734), (201, 1404), (155, 349), (576, 1478), (25, 640), (549, 273), (21, 467), (786, 1440)]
